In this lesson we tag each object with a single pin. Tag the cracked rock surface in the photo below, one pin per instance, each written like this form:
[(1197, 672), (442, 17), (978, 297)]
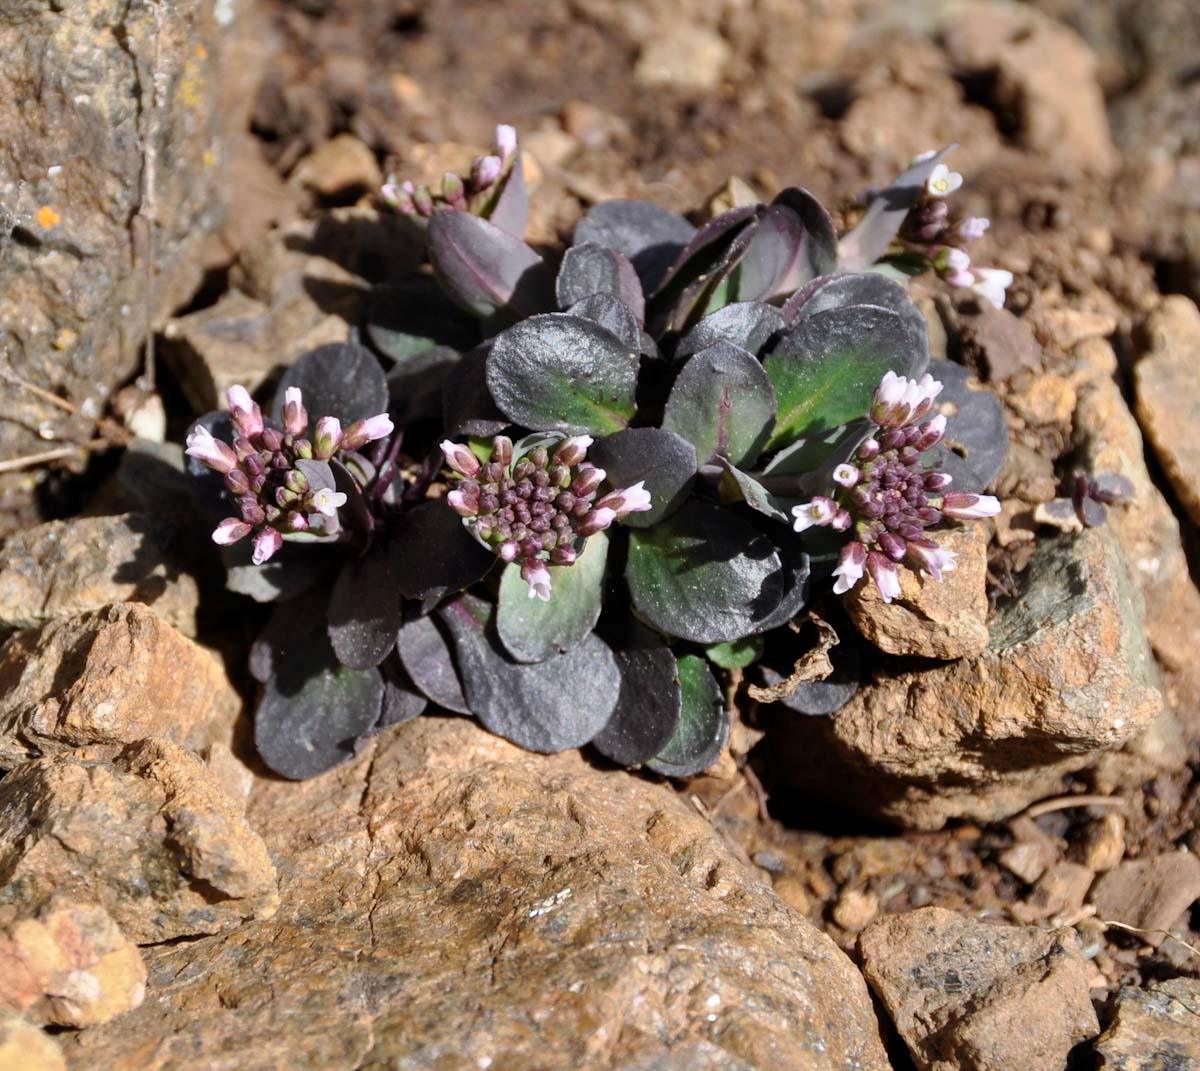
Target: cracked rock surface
[(450, 901)]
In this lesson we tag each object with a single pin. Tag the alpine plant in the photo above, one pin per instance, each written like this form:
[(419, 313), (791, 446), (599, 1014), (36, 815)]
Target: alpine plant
[(538, 510), (887, 499), (263, 470)]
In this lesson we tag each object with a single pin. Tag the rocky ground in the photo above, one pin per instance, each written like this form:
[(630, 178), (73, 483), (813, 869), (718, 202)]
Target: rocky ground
[(986, 860)]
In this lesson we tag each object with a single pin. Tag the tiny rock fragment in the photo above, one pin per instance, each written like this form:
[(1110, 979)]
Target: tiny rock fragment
[(1059, 892), (1104, 842), (855, 909), (25, 1047), (342, 164), (684, 57), (1149, 894)]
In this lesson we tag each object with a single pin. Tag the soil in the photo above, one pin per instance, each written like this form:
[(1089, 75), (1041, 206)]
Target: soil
[(835, 97)]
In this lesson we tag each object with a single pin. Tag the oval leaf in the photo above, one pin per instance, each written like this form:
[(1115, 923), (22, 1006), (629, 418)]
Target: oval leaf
[(532, 630), (435, 554), (723, 404), (613, 316), (748, 324), (975, 445), (314, 711), (704, 574), (401, 701), (425, 652), (590, 269), (342, 379), (564, 373), (467, 407), (648, 705), (664, 461), (826, 368), (545, 706), (703, 723), (650, 236), (486, 269), (365, 609), (410, 318)]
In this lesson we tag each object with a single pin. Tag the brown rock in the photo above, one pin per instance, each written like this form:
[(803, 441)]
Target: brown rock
[(1064, 329), (1043, 400), (1168, 395), (931, 619), (1066, 676), (451, 901), (1059, 893), (1045, 75), (1149, 894), (103, 679), (339, 166), (855, 909), (72, 966), (969, 996), (997, 342), (1104, 842), (1028, 859), (147, 836), (682, 56), (63, 568), (74, 306), (23, 1047), (1107, 439), (1154, 1029)]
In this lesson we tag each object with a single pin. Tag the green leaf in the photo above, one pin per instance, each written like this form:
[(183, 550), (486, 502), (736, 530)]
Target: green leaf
[(825, 370), (737, 486), (704, 574), (532, 630), (703, 723), (564, 373), (722, 403), (735, 654)]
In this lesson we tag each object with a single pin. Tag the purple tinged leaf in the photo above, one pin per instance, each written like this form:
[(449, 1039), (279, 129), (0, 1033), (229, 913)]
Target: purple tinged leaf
[(365, 608), (467, 405), (751, 325), (342, 379), (486, 269), (975, 444), (401, 701), (663, 461), (426, 652), (648, 704), (591, 269), (703, 723), (439, 556), (650, 236), (711, 234), (868, 241), (511, 211), (613, 315)]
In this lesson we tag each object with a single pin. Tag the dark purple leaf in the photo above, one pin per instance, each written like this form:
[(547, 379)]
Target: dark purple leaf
[(648, 704), (868, 241), (650, 236), (427, 654), (407, 319), (748, 324), (341, 379), (486, 269), (401, 701), (435, 554), (467, 405), (976, 441), (664, 461), (365, 608), (511, 211), (591, 269), (614, 316)]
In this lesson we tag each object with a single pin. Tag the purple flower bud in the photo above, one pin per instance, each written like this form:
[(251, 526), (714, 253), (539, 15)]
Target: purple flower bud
[(572, 451), (931, 433), (563, 555), (213, 453), (587, 480), (885, 575), (453, 190), (295, 416), (398, 196), (247, 417), (963, 506), (230, 530), (869, 450), (296, 481), (537, 576), (484, 171), (502, 450), (891, 545), (460, 458), (423, 201), (850, 567), (935, 481), (297, 522), (635, 499), (842, 520), (506, 141), (596, 520), (271, 440), (237, 482), (462, 504), (266, 544), (327, 438), (366, 431)]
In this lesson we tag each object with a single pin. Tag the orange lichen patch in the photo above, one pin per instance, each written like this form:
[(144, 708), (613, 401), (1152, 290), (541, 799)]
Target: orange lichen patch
[(48, 218), (201, 52)]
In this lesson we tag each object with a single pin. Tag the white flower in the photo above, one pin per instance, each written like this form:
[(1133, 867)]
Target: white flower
[(885, 574), (327, 501), (820, 511), (635, 499), (991, 284), (266, 543), (932, 558), (211, 451), (963, 506), (942, 181), (846, 475), (535, 573), (849, 568), (230, 530)]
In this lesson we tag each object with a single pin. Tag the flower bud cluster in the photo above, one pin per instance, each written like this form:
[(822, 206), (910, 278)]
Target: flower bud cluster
[(470, 194), (931, 233), (274, 497), (536, 510), (887, 498)]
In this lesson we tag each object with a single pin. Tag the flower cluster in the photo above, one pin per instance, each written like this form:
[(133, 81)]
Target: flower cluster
[(931, 234), (458, 194), (539, 508), (887, 498), (263, 470)]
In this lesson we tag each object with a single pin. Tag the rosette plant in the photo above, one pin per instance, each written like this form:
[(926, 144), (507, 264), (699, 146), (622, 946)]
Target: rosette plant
[(615, 477)]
